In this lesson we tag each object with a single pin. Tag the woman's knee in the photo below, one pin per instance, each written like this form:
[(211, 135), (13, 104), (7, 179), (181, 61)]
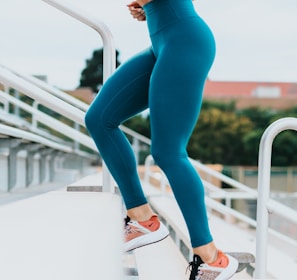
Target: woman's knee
[(99, 120), (167, 155), (94, 120), (160, 157), (90, 120)]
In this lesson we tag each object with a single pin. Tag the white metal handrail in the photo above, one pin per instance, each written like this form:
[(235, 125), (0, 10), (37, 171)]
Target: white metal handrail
[(17, 133), (218, 175), (109, 58), (224, 178), (42, 96), (55, 91), (38, 90), (52, 122), (9, 79), (109, 62), (265, 204)]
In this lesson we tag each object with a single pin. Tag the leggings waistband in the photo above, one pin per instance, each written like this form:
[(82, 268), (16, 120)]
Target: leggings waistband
[(161, 13)]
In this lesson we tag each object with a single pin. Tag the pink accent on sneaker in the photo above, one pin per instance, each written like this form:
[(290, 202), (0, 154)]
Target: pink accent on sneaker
[(138, 234), (221, 260)]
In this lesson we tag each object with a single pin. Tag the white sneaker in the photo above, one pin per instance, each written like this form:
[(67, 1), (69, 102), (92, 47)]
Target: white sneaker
[(138, 234), (223, 268)]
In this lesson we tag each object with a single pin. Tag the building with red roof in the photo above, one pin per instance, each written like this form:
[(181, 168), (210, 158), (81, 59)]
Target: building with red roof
[(276, 95)]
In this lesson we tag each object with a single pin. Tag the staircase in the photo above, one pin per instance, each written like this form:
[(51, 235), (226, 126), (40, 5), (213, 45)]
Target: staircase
[(61, 217)]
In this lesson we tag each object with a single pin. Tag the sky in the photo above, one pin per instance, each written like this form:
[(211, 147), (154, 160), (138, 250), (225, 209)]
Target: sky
[(256, 39)]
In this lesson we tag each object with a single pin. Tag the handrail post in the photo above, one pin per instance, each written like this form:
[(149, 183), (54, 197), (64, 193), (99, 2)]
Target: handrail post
[(34, 120), (109, 58), (6, 102), (136, 148), (264, 190)]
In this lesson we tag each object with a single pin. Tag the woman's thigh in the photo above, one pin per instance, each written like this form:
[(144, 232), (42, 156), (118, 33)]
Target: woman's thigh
[(175, 99), (125, 93)]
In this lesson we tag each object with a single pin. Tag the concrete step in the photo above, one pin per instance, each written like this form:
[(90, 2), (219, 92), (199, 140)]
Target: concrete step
[(62, 235), (160, 261)]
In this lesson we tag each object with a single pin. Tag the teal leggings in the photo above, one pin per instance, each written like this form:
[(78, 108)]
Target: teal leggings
[(168, 79)]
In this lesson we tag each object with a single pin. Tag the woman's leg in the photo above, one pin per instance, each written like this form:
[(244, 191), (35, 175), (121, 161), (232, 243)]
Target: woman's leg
[(124, 95), (175, 98)]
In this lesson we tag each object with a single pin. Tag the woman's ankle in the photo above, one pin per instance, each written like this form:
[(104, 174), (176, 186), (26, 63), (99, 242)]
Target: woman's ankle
[(208, 253), (141, 213)]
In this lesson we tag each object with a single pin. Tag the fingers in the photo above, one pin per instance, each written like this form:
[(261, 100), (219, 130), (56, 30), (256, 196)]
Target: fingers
[(136, 11), (134, 4)]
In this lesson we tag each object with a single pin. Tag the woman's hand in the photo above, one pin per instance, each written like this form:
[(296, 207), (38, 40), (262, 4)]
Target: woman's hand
[(136, 11)]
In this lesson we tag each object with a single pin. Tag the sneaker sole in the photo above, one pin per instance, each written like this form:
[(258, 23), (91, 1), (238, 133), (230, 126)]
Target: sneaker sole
[(147, 239)]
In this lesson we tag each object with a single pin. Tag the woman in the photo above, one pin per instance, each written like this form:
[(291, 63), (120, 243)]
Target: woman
[(168, 79)]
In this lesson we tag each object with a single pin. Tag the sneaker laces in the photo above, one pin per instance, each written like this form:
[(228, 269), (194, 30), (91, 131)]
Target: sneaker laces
[(127, 227), (193, 267), (127, 220)]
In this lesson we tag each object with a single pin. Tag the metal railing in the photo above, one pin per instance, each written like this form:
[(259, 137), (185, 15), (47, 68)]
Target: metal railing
[(56, 104), (109, 58), (53, 90), (266, 205), (61, 102), (50, 101), (32, 89)]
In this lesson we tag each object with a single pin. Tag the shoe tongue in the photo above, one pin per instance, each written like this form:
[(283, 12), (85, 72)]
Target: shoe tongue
[(197, 260), (153, 218), (127, 220)]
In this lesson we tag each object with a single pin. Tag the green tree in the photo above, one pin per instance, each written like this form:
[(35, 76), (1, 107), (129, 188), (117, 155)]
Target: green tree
[(284, 149), (260, 117), (251, 143), (222, 106), (139, 124), (291, 112), (92, 74)]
